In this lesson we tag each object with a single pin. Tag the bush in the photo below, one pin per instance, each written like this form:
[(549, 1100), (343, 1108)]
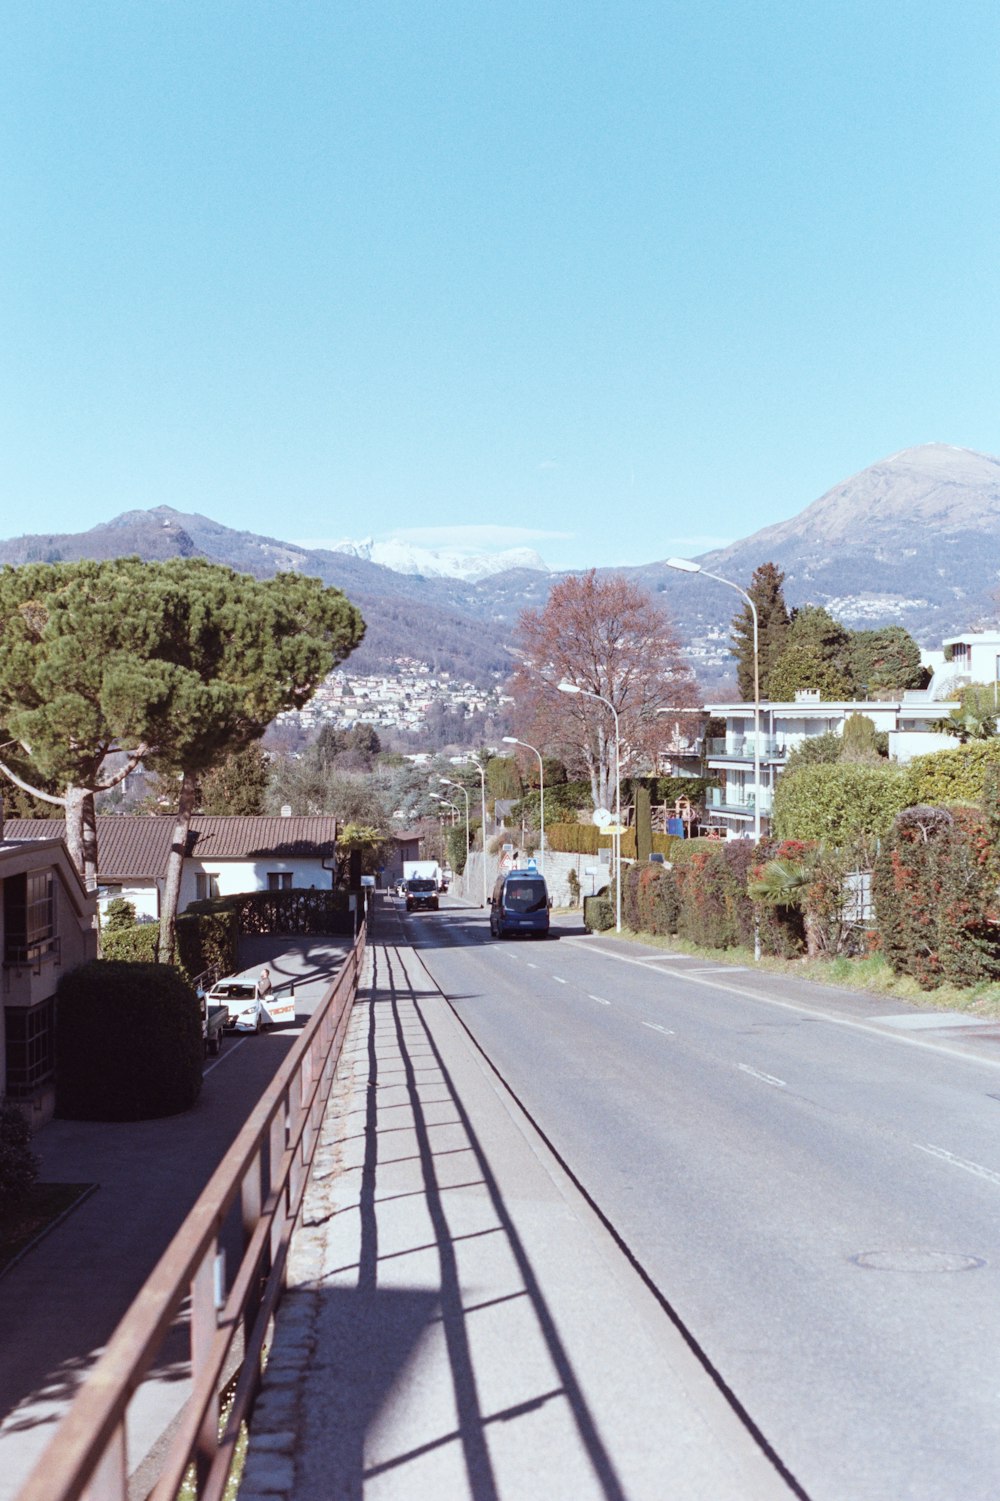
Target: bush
[(573, 883), (128, 1042), (454, 843), (952, 776), (935, 889), (18, 1163), (598, 913), (137, 944), (840, 804), (207, 941), (715, 907)]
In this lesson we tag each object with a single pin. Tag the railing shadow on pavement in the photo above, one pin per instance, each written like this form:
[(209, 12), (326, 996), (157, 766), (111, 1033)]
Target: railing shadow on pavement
[(399, 1285), (224, 1315)]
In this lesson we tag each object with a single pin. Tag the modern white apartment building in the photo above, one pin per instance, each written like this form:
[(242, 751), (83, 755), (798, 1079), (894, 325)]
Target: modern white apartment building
[(783, 726)]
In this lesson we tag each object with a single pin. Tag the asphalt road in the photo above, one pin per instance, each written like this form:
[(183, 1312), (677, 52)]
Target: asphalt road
[(811, 1179)]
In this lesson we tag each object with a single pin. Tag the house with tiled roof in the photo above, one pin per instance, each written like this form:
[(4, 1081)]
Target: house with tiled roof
[(225, 854)]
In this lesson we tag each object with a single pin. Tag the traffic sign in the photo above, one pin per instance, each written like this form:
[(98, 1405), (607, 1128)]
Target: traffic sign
[(613, 828)]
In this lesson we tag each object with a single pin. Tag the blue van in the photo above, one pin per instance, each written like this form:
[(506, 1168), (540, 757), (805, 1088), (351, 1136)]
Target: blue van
[(520, 904)]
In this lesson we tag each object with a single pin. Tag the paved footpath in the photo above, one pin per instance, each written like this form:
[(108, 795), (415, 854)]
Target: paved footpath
[(458, 1323)]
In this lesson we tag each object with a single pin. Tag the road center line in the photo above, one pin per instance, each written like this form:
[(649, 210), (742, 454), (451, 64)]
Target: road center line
[(532, 966), (558, 980), (599, 999), (764, 1078), (977, 1170), (653, 1027)]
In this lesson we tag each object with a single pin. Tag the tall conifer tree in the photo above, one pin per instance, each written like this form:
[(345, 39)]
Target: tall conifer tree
[(772, 628)]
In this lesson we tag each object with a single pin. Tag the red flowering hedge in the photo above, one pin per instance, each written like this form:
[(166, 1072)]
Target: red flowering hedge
[(935, 887)]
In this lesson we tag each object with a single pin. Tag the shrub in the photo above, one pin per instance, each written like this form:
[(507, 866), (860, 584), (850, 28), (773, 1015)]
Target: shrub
[(952, 776), (207, 941), (935, 889), (18, 1163), (136, 944), (840, 804), (454, 842), (128, 1042), (573, 882), (715, 907), (598, 913)]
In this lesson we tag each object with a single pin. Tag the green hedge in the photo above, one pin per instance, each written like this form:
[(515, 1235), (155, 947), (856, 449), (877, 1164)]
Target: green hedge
[(598, 913), (207, 940), (128, 1042), (935, 889), (18, 1163), (136, 944)]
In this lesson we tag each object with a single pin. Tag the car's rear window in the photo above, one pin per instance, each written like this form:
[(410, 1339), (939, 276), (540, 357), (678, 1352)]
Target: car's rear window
[(525, 896)]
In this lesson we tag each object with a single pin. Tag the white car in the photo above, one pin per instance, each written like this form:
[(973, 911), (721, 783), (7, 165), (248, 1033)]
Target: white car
[(248, 1012)]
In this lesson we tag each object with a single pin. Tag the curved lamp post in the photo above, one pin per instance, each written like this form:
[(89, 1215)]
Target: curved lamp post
[(567, 687), (512, 740), (684, 565)]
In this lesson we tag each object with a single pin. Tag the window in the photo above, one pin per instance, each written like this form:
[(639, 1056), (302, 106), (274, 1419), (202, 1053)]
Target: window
[(279, 880), (29, 916), (206, 886), (30, 1046)]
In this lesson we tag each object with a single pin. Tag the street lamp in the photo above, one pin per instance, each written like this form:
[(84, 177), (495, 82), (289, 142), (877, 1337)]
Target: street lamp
[(684, 565), (512, 740), (482, 777), (567, 687), (447, 781)]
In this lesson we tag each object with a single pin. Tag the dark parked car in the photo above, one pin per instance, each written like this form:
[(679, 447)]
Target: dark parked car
[(421, 894)]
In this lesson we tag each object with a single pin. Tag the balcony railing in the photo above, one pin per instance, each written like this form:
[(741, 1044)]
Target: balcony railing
[(723, 801), (740, 748)]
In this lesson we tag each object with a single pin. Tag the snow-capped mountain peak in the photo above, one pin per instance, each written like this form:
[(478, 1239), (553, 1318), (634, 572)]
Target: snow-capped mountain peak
[(452, 563)]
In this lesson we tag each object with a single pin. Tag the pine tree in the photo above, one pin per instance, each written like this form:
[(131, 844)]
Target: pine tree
[(772, 630)]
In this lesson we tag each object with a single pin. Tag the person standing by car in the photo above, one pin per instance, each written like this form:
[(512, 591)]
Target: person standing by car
[(264, 986)]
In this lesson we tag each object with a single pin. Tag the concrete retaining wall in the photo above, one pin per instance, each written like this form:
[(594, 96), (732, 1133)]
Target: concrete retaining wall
[(557, 866)]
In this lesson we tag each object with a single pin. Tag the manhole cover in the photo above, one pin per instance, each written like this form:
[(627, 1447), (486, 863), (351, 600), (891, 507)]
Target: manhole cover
[(911, 1259)]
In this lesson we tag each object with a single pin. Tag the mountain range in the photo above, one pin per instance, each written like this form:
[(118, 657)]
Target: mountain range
[(447, 563), (912, 540)]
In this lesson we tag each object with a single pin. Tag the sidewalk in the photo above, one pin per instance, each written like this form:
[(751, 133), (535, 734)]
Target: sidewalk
[(458, 1323)]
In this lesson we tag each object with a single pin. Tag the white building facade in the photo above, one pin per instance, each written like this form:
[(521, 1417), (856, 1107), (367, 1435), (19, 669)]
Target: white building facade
[(731, 808)]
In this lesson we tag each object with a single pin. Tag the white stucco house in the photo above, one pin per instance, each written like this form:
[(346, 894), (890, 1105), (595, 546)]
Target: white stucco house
[(225, 854), (730, 809), (46, 927), (972, 658)]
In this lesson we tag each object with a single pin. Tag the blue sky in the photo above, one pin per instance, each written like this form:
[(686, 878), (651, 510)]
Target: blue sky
[(622, 281)]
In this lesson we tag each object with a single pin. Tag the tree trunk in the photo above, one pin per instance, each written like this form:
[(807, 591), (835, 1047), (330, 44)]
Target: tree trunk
[(814, 934), (76, 838), (175, 869)]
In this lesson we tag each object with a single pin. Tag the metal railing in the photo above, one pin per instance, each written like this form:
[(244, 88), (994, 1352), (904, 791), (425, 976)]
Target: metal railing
[(264, 1173), (740, 748)]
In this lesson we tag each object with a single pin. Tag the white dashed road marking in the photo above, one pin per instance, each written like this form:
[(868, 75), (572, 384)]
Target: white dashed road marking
[(764, 1078), (975, 1168)]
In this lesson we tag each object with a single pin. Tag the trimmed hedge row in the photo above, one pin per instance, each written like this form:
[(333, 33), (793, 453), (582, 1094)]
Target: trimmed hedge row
[(936, 887), (128, 1042), (136, 944)]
